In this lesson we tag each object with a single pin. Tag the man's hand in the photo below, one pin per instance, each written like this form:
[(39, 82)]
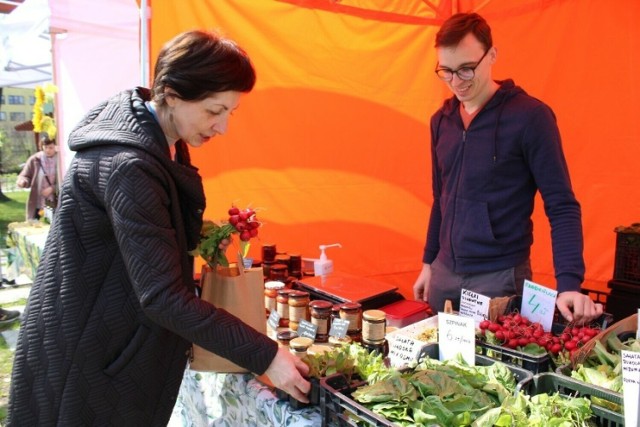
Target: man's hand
[(421, 286), (22, 182), (46, 192), (578, 307)]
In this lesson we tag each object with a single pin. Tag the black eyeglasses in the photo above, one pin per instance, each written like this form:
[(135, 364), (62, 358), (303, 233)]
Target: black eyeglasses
[(463, 73)]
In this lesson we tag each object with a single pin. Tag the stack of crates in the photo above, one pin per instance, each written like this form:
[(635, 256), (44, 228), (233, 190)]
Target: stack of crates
[(624, 298)]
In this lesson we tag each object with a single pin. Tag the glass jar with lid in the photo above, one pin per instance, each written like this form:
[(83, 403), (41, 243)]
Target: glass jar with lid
[(320, 312), (285, 337), (374, 323), (299, 346), (271, 289), (352, 311), (298, 308), (279, 272), (282, 305)]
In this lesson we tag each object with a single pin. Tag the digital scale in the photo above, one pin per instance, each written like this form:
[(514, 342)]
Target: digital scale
[(341, 287)]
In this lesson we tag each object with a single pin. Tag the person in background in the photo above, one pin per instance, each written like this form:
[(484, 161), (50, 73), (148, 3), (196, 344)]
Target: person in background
[(40, 173), (112, 314), (493, 148)]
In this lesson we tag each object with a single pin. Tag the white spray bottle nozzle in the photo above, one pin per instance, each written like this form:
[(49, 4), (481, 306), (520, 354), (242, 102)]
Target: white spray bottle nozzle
[(323, 256), (323, 265)]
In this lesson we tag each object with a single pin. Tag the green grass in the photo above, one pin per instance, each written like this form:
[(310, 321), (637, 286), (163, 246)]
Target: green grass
[(11, 210)]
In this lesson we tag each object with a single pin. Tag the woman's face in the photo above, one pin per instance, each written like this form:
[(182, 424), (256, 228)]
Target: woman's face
[(195, 122)]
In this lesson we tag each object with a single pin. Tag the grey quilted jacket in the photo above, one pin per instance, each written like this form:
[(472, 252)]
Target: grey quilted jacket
[(112, 311)]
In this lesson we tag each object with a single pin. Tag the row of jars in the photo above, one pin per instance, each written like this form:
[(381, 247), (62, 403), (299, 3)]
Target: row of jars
[(293, 306), (280, 266)]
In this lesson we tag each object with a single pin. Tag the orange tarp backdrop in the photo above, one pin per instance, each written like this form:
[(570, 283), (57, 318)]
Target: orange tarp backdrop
[(333, 143)]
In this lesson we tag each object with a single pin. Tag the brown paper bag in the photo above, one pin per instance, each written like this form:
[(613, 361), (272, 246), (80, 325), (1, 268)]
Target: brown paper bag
[(239, 291)]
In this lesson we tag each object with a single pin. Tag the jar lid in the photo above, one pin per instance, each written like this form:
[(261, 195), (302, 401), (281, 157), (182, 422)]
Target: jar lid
[(300, 343), (285, 292), (298, 294), (274, 284), (351, 306), (278, 266), (286, 335), (340, 341), (319, 304), (374, 315)]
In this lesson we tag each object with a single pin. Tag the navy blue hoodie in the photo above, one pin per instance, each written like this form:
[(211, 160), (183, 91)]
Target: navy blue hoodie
[(484, 184)]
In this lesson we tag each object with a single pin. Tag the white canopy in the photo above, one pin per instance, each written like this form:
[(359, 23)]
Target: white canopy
[(25, 45), (90, 49)]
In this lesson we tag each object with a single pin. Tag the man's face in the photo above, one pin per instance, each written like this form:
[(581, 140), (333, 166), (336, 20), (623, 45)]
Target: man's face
[(468, 53), (49, 150)]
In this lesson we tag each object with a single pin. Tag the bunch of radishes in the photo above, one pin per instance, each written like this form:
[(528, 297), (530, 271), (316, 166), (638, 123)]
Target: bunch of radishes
[(245, 221), (517, 332)]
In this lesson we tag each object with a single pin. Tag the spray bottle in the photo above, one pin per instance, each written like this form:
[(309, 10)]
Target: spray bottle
[(323, 265)]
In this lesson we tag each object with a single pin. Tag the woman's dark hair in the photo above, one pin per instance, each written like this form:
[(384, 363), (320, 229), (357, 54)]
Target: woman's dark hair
[(196, 64), (459, 25)]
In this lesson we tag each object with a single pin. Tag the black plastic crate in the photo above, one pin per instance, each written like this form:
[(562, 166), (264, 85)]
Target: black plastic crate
[(314, 396), (627, 259), (550, 382), (338, 409)]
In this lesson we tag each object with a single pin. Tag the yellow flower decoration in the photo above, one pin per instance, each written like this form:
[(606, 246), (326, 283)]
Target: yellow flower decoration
[(42, 122)]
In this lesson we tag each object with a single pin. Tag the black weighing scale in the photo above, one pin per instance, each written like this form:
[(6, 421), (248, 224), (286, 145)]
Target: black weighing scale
[(339, 287)]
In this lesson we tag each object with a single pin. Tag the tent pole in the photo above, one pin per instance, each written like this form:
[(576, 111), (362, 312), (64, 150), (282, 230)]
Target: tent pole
[(144, 43)]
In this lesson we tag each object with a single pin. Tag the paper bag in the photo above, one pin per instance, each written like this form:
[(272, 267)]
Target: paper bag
[(240, 291)]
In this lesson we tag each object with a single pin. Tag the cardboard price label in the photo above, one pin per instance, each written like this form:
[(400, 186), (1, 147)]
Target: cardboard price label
[(474, 305), (307, 329), (404, 350), (339, 328), (274, 320)]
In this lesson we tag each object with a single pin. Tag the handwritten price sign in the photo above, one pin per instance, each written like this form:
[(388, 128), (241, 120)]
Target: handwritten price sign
[(538, 304), (403, 350)]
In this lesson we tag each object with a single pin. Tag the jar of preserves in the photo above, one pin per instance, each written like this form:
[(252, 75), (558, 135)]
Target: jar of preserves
[(295, 266), (320, 312), (282, 305), (337, 342), (279, 272), (352, 311), (298, 308), (374, 323), (283, 259), (285, 337), (299, 346), (268, 252), (271, 289)]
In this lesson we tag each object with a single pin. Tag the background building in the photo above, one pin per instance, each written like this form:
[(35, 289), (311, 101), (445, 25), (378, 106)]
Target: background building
[(16, 110)]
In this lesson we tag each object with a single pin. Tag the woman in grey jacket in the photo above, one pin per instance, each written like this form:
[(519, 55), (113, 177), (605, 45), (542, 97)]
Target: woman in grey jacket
[(112, 313)]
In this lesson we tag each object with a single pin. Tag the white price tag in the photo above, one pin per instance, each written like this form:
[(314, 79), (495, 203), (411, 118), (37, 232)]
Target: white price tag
[(631, 389), (474, 305), (538, 304), (403, 350), (456, 334)]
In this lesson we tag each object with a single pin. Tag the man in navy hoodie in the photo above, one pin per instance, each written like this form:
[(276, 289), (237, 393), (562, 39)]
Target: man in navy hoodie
[(493, 147)]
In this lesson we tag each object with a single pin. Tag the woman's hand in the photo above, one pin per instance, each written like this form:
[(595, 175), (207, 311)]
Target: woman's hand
[(286, 371)]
